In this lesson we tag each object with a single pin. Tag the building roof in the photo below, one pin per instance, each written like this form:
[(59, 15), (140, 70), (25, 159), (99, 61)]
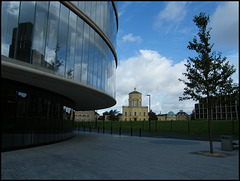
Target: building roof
[(171, 113), (181, 113), (135, 92)]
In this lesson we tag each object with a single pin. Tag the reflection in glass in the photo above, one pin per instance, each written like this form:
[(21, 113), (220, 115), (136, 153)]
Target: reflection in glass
[(32, 115), (91, 56), (20, 48), (9, 21), (54, 39), (71, 45), (78, 51), (38, 44), (52, 47), (62, 38), (85, 54)]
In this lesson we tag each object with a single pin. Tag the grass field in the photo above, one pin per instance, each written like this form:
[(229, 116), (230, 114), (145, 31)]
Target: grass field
[(219, 127)]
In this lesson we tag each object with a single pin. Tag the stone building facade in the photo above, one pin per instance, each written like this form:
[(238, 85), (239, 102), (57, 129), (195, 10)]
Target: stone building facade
[(134, 111)]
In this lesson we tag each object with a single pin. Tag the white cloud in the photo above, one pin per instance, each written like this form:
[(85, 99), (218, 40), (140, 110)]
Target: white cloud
[(152, 74), (171, 16), (122, 7), (225, 25), (130, 38), (13, 8), (234, 60)]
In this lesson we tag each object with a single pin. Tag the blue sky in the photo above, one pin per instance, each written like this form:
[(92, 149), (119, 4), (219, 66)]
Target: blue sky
[(152, 45)]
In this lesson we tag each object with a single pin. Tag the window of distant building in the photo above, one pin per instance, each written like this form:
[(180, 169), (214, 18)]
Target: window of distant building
[(135, 103)]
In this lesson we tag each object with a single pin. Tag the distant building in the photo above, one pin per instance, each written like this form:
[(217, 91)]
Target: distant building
[(219, 111), (171, 116), (86, 116), (161, 117), (182, 115), (167, 117), (134, 111)]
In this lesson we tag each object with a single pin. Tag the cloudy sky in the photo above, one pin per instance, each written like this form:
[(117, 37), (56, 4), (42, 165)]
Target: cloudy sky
[(152, 45)]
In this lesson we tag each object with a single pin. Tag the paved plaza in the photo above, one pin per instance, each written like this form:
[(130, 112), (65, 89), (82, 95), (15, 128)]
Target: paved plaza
[(105, 156)]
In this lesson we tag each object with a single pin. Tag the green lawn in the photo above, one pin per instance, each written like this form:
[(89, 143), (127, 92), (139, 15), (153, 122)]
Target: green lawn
[(219, 127)]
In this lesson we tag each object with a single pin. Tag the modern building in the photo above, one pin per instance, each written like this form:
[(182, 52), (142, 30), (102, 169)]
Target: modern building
[(134, 111), (219, 111), (56, 57)]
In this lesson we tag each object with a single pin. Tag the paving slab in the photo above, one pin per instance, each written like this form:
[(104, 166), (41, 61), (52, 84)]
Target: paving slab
[(104, 156)]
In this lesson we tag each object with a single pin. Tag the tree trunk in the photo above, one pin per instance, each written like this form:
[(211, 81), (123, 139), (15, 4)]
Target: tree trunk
[(210, 128)]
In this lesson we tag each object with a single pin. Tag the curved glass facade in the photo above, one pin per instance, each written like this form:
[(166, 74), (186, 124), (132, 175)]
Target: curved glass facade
[(33, 116), (103, 14), (50, 36), (55, 57)]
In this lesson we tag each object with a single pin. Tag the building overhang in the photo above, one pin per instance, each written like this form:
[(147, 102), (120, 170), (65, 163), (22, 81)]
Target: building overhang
[(85, 97)]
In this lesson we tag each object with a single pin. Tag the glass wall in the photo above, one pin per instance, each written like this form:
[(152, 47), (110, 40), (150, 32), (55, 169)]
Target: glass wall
[(103, 15), (49, 36), (31, 116)]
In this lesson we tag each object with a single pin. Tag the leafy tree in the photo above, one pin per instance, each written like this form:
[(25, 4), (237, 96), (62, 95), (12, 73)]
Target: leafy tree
[(56, 63), (113, 115), (152, 115), (208, 74), (105, 113), (192, 115)]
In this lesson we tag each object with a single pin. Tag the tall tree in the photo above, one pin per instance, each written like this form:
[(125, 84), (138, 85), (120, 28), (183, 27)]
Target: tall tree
[(113, 115), (152, 116), (208, 74)]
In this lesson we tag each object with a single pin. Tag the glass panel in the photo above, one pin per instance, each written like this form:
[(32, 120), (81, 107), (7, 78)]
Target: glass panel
[(31, 115), (71, 45), (85, 54), (87, 9), (39, 35), (62, 39), (104, 11), (104, 68), (24, 32), (9, 24), (51, 43), (81, 5), (100, 59), (91, 56), (96, 60), (78, 50)]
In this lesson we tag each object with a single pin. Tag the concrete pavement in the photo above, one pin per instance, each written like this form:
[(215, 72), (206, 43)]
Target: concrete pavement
[(105, 156)]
